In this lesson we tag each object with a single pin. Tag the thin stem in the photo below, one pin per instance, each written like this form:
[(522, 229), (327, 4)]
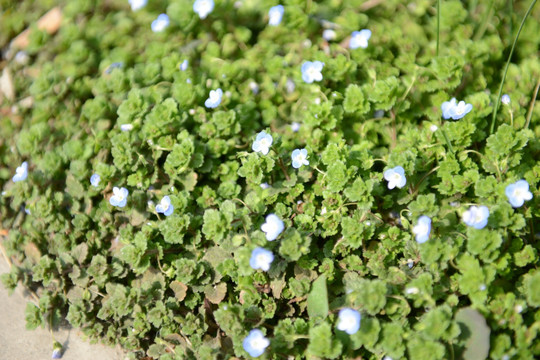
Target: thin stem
[(498, 100), (438, 24), (531, 107), (482, 29), (447, 141), (282, 166)]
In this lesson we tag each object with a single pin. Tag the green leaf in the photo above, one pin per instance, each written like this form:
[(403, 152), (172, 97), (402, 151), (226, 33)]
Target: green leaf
[(317, 300), (475, 334)]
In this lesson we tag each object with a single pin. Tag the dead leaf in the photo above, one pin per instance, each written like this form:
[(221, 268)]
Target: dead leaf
[(6, 85), (180, 290), (216, 294), (50, 22)]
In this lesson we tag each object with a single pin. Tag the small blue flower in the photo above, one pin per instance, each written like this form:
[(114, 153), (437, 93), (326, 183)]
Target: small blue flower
[(137, 4), (454, 110), (261, 259), (95, 179), (56, 354), (518, 192), (329, 34), (422, 229), (262, 143), (119, 197), (255, 343), (21, 173), (126, 127), (161, 23), (311, 71), (165, 207), (395, 177), (476, 216), (299, 158), (184, 65), (505, 99), (275, 14), (203, 7), (272, 227), (359, 39), (349, 320), (295, 127), (114, 65), (214, 99)]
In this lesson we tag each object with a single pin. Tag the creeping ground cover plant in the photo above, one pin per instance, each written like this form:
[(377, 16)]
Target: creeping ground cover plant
[(275, 179)]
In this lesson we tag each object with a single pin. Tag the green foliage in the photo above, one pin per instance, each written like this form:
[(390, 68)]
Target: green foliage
[(181, 286)]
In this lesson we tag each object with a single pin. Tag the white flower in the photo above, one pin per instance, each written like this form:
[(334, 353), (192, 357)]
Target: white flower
[(329, 34), (299, 158), (120, 197), (254, 87), (161, 23), (214, 99), (275, 15), (412, 291), (184, 65), (447, 108), (261, 259), (165, 207), (264, 186), (290, 86), (422, 229), (395, 177), (349, 320), (433, 128), (517, 193), (505, 99), (453, 109), (311, 71), (272, 227), (137, 4), (323, 210), (126, 127), (360, 39), (262, 143), (476, 216), (95, 179), (203, 7), (21, 173), (295, 126), (255, 343)]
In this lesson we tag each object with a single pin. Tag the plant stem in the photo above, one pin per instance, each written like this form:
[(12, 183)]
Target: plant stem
[(531, 107), (498, 100), (438, 24), (447, 140)]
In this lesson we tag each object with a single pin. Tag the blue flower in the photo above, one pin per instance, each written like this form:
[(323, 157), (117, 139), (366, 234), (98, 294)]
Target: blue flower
[(395, 177), (21, 173), (311, 71), (349, 320), (453, 109), (126, 127), (505, 99), (161, 23), (255, 343), (184, 65), (272, 227), (95, 179), (214, 99), (165, 207), (261, 259), (262, 143), (275, 14), (119, 197), (476, 216), (295, 127), (203, 7), (299, 158), (518, 192), (422, 229), (114, 65), (329, 34), (359, 39), (137, 4)]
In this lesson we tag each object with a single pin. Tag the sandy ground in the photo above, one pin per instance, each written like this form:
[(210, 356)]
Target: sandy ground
[(17, 343)]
